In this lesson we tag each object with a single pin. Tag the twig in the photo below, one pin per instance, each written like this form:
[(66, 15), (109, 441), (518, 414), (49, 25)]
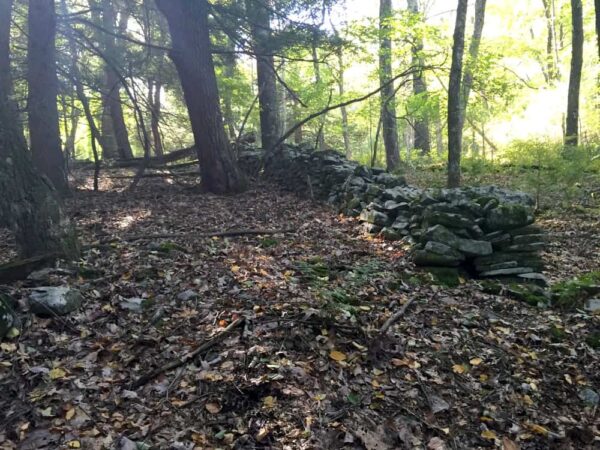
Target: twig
[(231, 233), (395, 317), (144, 379)]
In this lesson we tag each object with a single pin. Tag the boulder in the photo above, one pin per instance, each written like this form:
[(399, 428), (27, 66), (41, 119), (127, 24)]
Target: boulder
[(470, 247), (375, 217), (51, 301), (508, 217)]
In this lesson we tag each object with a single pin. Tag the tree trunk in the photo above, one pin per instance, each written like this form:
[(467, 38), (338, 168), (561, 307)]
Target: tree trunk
[(5, 17), (229, 62), (317, 69), (44, 132), (388, 101), (467, 84), (28, 205), (343, 110), (421, 126), (155, 105), (112, 94), (597, 7), (191, 54), (454, 97), (552, 68), (260, 18), (572, 123)]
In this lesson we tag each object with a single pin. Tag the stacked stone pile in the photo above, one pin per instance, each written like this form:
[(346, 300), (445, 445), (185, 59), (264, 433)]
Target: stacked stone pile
[(486, 230)]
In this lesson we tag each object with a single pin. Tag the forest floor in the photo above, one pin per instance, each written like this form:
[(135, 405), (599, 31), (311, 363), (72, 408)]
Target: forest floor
[(296, 360)]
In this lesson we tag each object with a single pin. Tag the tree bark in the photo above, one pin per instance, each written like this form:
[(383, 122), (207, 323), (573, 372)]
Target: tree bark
[(29, 205), (467, 83), (552, 68), (388, 101), (155, 88), (260, 23), (343, 110), (572, 125), (454, 97), (321, 124), (229, 62), (112, 94), (597, 8), (44, 132), (421, 126), (5, 18), (191, 54)]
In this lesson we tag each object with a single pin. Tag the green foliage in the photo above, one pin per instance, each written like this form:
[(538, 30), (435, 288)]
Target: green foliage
[(573, 293)]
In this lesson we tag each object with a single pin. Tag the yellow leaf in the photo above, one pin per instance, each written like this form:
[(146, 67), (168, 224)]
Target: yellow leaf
[(70, 413), (269, 402), (489, 434), (538, 429), (235, 268), (476, 361), (8, 347), (74, 444), (213, 407), (337, 356), (459, 368), (320, 397), (484, 377), (486, 419), (507, 444), (57, 373), (375, 383)]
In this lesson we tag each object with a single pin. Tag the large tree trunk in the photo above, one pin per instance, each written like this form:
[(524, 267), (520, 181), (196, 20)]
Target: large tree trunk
[(42, 81), (112, 94), (260, 19), (28, 205), (321, 122), (421, 126), (454, 97), (191, 54), (5, 17), (388, 100), (572, 125), (467, 84)]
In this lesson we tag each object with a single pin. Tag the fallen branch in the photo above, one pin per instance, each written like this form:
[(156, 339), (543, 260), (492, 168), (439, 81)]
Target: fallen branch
[(20, 269), (144, 379), (231, 233), (395, 317)]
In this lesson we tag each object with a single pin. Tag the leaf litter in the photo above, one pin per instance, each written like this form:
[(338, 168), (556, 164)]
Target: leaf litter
[(307, 367)]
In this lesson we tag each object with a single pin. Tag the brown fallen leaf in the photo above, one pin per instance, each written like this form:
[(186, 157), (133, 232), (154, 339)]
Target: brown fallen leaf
[(508, 444)]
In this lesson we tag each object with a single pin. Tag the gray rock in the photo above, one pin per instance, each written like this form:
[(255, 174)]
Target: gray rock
[(506, 272), (371, 228), (534, 277), (529, 239), (132, 304), (50, 301), (447, 219), (391, 205), (425, 258), (508, 217), (443, 249), (531, 248), (7, 315), (391, 234), (470, 247), (375, 217), (187, 295), (590, 397), (593, 305)]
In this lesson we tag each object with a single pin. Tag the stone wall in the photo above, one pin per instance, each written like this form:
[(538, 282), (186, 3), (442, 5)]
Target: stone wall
[(487, 231)]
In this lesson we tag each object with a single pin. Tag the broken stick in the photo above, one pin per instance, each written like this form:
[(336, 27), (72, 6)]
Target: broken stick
[(144, 379), (395, 317)]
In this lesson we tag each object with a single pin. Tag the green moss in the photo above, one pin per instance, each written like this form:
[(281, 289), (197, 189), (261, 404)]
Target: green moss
[(268, 242), (557, 334), (445, 276), (168, 247), (491, 287), (531, 294), (593, 340), (573, 293)]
